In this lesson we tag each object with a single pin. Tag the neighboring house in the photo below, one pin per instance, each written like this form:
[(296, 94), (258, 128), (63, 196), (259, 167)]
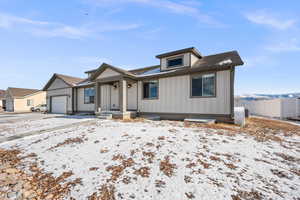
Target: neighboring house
[(22, 99), (2, 100), (186, 84)]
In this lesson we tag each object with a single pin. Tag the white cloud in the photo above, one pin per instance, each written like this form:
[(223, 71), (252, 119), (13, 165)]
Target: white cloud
[(284, 46), (61, 31), (188, 8), (264, 18), (8, 21), (54, 29)]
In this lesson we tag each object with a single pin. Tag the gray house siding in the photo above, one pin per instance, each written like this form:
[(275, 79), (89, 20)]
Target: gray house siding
[(174, 97), (60, 88)]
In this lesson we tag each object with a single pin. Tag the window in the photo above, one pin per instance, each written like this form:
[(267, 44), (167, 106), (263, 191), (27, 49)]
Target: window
[(175, 62), (150, 89), (29, 102), (89, 95), (203, 85)]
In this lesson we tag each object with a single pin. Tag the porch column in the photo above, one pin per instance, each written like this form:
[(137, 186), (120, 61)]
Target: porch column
[(97, 96), (123, 95)]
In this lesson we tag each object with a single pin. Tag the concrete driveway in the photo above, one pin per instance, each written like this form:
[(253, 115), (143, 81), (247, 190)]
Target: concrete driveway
[(11, 117), (15, 126)]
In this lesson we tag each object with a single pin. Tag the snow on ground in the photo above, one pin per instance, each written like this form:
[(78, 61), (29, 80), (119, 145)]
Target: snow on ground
[(165, 160), (28, 123)]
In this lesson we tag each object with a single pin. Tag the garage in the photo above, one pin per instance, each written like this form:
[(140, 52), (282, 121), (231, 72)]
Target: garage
[(59, 104)]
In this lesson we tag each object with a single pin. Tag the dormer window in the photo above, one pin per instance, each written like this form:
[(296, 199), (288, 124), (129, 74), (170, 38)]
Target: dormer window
[(175, 62)]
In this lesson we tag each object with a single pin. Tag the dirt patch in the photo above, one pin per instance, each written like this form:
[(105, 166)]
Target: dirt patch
[(107, 192), (166, 167), (76, 140), (204, 164), (94, 168), (274, 125), (252, 195), (262, 129), (189, 195), (117, 171), (288, 157), (150, 156), (143, 172), (188, 179), (281, 174), (16, 184)]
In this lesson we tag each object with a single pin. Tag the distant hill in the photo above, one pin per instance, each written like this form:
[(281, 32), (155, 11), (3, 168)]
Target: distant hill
[(268, 96)]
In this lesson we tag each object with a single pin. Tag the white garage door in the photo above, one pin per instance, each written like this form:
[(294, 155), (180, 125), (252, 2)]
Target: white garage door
[(59, 104)]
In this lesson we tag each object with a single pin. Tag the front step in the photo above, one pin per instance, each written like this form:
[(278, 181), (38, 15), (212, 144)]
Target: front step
[(203, 121), (104, 116)]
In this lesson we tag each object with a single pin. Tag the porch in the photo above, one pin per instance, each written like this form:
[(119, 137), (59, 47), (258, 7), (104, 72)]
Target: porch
[(116, 97)]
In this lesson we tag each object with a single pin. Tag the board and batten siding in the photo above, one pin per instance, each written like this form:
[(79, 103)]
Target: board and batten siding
[(105, 97), (57, 84), (174, 97), (108, 73), (114, 95), (81, 106), (132, 97)]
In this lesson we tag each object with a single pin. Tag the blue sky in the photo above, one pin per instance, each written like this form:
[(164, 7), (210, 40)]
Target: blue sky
[(39, 38)]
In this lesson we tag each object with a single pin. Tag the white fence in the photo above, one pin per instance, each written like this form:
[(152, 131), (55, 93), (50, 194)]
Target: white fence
[(277, 108)]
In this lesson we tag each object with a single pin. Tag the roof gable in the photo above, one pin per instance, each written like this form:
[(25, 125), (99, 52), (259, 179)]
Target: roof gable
[(20, 92), (181, 51), (108, 73), (2, 94), (68, 81), (105, 66)]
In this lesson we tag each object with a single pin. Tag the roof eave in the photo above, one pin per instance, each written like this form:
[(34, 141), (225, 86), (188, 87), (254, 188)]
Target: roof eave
[(181, 51)]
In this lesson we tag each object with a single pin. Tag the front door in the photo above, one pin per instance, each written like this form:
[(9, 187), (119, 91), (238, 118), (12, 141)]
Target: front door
[(114, 91)]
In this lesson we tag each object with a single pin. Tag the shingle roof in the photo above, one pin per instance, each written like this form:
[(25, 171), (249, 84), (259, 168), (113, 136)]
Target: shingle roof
[(143, 70), (2, 94), (226, 58), (186, 50), (71, 80), (20, 92)]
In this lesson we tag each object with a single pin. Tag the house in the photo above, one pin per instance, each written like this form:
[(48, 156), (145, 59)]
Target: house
[(185, 84), (61, 94), (22, 99), (2, 100)]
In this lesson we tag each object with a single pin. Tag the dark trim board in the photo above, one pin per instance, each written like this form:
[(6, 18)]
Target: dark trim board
[(232, 73), (182, 116)]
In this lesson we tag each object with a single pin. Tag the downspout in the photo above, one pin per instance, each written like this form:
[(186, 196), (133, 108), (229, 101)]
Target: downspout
[(232, 73), (73, 89), (137, 96)]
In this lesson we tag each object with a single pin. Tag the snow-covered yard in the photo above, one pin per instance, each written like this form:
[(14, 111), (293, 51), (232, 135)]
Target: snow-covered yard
[(110, 160)]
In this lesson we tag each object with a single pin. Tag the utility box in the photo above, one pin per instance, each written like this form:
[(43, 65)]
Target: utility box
[(239, 116)]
